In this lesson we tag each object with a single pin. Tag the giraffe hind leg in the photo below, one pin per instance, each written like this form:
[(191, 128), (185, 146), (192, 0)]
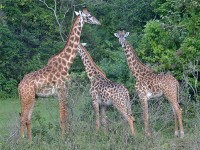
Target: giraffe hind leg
[(63, 108), (96, 110), (176, 122), (22, 126), (25, 118), (126, 114), (177, 113), (131, 121)]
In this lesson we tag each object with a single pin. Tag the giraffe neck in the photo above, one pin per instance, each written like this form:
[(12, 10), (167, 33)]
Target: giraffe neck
[(65, 58), (138, 69), (91, 68)]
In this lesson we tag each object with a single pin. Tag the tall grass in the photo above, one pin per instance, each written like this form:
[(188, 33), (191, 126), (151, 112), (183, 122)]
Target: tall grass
[(82, 134)]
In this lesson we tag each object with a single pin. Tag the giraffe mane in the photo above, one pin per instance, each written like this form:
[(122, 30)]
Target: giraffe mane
[(133, 51), (90, 58), (67, 39)]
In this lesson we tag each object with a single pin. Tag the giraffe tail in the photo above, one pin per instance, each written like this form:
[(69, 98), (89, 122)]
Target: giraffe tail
[(178, 92), (19, 92), (128, 105), (128, 108), (19, 99)]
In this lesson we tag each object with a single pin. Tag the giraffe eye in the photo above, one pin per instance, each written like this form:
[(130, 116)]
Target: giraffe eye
[(89, 18)]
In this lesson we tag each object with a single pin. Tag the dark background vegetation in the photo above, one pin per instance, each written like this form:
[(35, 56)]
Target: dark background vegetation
[(164, 33)]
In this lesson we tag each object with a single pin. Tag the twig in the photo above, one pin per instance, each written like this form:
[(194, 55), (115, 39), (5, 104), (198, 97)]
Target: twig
[(54, 10)]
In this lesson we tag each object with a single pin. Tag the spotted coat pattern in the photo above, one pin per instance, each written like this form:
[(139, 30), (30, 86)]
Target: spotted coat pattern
[(150, 85), (51, 79), (104, 92)]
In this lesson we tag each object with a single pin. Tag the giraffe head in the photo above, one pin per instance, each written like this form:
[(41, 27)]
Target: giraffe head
[(87, 17), (121, 35)]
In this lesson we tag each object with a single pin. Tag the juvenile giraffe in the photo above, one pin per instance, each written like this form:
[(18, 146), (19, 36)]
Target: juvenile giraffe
[(51, 79), (149, 84), (105, 92)]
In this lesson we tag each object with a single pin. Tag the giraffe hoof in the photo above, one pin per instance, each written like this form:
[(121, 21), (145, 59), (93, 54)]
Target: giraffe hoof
[(133, 133), (176, 133), (147, 134), (105, 129), (22, 136), (181, 134)]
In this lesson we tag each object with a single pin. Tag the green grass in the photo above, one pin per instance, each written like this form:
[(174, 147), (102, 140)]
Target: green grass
[(9, 110), (82, 134)]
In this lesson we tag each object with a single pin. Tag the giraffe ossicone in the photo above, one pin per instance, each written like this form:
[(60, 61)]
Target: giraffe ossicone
[(51, 79), (149, 84)]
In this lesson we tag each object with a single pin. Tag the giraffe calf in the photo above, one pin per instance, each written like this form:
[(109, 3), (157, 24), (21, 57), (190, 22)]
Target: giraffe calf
[(104, 93)]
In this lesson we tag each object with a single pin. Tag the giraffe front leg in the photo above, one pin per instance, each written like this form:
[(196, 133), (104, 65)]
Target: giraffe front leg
[(95, 105), (63, 117), (103, 117), (63, 109), (96, 111), (145, 116)]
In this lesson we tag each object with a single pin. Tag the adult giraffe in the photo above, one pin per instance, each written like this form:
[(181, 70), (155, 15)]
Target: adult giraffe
[(105, 92), (50, 80), (149, 84)]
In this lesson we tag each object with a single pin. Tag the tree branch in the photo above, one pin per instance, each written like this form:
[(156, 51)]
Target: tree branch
[(54, 10)]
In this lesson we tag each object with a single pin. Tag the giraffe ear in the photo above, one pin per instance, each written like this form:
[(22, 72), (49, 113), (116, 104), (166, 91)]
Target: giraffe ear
[(84, 44), (77, 13), (116, 35), (127, 33)]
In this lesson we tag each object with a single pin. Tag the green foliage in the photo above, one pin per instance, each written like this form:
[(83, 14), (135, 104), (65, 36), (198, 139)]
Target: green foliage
[(172, 41), (165, 35), (28, 37), (6, 87)]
